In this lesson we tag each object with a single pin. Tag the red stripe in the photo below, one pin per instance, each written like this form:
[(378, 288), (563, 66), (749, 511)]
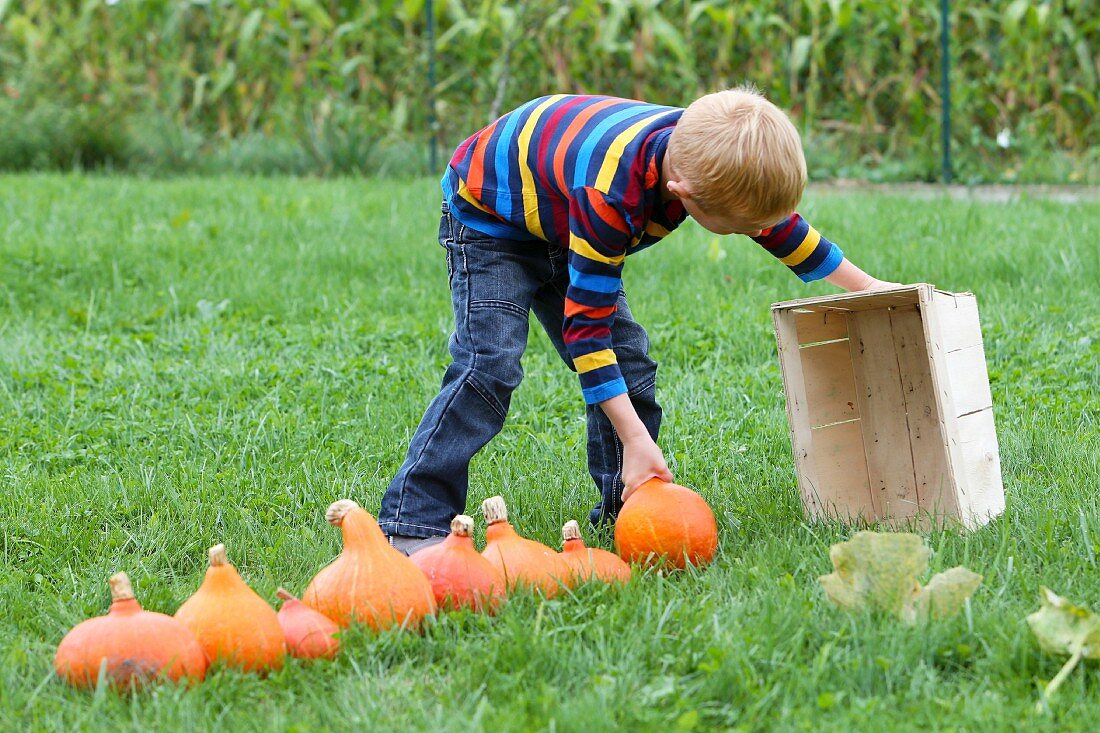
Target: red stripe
[(774, 239), (579, 333), (475, 177)]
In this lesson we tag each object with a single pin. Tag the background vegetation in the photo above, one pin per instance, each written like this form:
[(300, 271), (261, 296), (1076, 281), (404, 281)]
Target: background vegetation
[(195, 361), (337, 86)]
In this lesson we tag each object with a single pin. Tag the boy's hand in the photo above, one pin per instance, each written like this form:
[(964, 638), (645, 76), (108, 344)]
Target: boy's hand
[(642, 460)]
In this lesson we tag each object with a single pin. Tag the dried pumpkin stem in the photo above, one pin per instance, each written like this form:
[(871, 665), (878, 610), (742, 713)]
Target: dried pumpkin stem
[(337, 510), (218, 556), (284, 594), (462, 525), (494, 509), (121, 589), (571, 530)]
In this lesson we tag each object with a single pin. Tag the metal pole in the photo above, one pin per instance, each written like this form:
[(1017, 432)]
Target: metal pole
[(432, 156), (945, 86)]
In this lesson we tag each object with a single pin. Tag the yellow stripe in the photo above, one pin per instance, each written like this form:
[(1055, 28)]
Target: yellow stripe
[(804, 250), (584, 249), (530, 196), (464, 192), (595, 360), (615, 151), (656, 229)]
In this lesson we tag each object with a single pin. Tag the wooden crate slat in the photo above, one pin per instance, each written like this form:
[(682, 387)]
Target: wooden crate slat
[(969, 380), (882, 410), (814, 327), (830, 387), (842, 489), (984, 495), (960, 328), (798, 419), (927, 444)]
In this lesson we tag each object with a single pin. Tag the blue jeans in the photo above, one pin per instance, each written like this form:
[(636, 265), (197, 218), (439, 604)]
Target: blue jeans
[(495, 284)]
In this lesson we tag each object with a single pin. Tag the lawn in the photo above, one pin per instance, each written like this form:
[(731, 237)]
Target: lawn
[(190, 362)]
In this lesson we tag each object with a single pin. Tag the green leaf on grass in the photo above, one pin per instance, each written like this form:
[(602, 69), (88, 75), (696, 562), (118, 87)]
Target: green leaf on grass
[(1064, 629), (881, 571)]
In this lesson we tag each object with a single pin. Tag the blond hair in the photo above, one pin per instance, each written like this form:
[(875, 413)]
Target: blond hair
[(740, 155)]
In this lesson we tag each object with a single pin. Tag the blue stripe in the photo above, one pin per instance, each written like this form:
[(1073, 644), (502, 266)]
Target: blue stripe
[(828, 265), (595, 283), (605, 391), (595, 138), (503, 206)]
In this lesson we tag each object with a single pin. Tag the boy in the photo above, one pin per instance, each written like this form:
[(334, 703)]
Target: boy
[(540, 210)]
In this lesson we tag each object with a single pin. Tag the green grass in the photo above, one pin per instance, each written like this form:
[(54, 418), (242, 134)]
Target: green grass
[(196, 361)]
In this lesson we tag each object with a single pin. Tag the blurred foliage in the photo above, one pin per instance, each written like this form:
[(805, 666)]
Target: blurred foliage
[(342, 86)]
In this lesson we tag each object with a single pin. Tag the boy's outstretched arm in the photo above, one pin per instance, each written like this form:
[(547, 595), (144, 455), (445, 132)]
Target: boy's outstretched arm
[(813, 257), (850, 277)]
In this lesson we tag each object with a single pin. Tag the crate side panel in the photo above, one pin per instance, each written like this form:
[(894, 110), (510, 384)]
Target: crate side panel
[(815, 327), (969, 379), (882, 411), (830, 386), (984, 498), (842, 489), (798, 420), (927, 443)]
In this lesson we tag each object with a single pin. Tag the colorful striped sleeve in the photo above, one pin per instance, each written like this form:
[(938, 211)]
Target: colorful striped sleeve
[(800, 247), (599, 233)]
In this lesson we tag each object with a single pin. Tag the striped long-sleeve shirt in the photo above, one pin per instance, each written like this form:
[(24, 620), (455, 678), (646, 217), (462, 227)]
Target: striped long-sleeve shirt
[(584, 172)]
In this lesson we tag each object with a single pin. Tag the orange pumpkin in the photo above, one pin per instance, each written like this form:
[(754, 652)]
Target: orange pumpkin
[(523, 562), (131, 645), (309, 634), (231, 621), (460, 576), (666, 524), (590, 563), (370, 582)]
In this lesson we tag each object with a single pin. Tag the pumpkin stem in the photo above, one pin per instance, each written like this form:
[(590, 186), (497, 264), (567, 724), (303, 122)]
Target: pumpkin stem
[(494, 509), (462, 525), (284, 594), (121, 590), (337, 510), (218, 556), (571, 531)]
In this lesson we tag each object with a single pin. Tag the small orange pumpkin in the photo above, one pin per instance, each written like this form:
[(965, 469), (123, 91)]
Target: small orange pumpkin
[(666, 524), (231, 621), (309, 634), (520, 560), (590, 563), (460, 576), (370, 582), (132, 646)]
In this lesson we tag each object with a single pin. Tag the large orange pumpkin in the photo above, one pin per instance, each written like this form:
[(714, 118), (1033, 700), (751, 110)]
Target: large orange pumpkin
[(590, 563), (666, 524), (131, 645), (460, 576), (231, 621), (370, 582), (523, 562), (309, 634)]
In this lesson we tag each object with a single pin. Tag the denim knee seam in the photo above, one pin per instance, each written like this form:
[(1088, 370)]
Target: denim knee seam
[(489, 399)]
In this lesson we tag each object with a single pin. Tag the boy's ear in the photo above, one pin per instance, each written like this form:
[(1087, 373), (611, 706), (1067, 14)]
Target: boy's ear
[(679, 189)]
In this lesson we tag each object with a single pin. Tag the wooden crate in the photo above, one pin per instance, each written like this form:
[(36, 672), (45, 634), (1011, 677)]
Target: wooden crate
[(890, 410)]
